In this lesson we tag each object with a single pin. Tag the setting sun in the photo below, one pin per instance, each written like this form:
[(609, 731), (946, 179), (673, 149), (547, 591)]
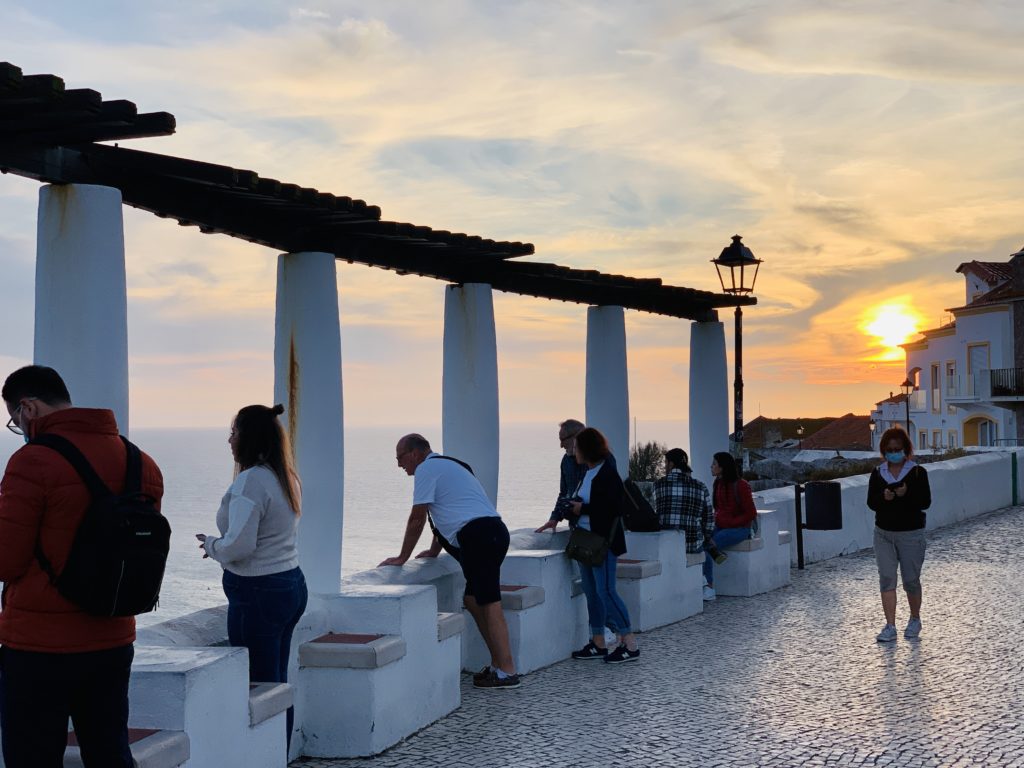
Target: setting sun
[(892, 325)]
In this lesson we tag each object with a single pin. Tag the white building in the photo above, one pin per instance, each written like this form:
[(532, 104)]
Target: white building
[(969, 373)]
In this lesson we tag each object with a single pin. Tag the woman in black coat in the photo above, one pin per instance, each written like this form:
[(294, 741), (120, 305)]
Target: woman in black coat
[(598, 510), (899, 493)]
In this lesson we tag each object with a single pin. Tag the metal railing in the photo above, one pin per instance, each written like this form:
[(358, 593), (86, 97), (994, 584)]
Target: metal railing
[(1007, 382)]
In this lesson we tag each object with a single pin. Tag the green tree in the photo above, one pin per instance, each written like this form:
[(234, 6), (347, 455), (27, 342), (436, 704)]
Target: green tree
[(647, 461)]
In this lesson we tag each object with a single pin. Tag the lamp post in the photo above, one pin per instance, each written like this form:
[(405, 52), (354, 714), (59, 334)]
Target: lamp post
[(907, 388), (800, 436), (872, 426), (739, 264)]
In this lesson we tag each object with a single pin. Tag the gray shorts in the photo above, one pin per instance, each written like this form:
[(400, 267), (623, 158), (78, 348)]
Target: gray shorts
[(905, 548)]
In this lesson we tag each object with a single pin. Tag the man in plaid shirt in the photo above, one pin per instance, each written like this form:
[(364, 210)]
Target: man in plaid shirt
[(683, 502)]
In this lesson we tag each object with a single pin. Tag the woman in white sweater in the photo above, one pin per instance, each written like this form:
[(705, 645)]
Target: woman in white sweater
[(258, 522)]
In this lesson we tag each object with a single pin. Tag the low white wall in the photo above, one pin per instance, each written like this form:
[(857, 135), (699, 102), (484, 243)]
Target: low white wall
[(961, 488)]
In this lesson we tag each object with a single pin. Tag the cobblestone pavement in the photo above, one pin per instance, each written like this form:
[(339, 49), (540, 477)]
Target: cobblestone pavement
[(790, 678)]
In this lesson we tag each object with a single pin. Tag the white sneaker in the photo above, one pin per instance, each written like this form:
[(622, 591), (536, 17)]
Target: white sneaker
[(709, 594), (887, 635), (913, 628)]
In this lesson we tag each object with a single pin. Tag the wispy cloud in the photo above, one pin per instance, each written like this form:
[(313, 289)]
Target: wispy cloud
[(860, 149)]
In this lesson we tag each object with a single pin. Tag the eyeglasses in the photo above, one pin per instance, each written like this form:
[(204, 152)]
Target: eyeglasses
[(403, 454), (12, 424)]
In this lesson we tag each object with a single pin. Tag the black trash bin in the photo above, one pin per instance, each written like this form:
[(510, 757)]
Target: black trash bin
[(824, 504)]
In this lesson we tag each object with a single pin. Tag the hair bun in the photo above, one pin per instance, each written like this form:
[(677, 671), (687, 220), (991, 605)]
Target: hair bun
[(278, 409)]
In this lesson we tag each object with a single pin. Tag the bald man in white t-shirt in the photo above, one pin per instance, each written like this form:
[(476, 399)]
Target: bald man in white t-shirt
[(467, 526)]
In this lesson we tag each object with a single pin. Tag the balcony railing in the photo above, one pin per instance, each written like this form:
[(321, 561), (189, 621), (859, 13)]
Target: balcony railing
[(1007, 382)]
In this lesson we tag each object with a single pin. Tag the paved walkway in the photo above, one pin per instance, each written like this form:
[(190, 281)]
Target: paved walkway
[(791, 678)]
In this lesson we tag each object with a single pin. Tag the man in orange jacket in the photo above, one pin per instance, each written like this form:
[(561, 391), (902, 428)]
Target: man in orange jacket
[(58, 661)]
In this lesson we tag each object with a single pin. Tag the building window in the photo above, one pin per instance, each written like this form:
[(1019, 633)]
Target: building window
[(936, 438), (952, 439), (951, 378), (922, 439), (935, 391)]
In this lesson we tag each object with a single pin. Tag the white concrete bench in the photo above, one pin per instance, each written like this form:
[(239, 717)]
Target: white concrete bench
[(544, 621), (205, 693), (383, 664), (656, 581), (151, 748), (755, 565)]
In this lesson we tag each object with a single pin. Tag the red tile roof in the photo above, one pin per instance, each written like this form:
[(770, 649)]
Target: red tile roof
[(847, 433)]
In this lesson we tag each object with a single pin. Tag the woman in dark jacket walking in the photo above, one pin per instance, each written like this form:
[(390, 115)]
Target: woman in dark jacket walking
[(598, 510), (899, 493)]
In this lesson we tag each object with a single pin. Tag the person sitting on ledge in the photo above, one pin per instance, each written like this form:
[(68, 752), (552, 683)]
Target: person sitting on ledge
[(683, 502), (467, 526), (734, 513)]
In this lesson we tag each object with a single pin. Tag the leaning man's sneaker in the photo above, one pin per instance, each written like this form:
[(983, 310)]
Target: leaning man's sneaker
[(913, 628), (482, 673), (887, 635), (493, 681)]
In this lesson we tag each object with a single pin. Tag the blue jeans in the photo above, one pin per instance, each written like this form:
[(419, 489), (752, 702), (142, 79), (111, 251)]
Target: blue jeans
[(40, 691), (604, 606), (262, 614), (723, 537)]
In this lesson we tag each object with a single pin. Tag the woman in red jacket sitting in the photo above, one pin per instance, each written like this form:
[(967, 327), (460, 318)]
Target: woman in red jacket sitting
[(734, 513)]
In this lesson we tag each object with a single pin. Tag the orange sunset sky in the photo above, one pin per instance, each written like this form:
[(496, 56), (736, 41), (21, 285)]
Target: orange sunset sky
[(863, 150)]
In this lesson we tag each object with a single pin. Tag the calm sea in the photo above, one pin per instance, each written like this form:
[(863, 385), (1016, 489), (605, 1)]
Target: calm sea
[(197, 469)]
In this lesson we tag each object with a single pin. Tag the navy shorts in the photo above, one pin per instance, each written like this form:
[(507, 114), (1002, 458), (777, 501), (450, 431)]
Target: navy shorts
[(483, 543)]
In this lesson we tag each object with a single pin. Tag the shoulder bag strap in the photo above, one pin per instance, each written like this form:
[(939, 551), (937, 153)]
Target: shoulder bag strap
[(460, 462)]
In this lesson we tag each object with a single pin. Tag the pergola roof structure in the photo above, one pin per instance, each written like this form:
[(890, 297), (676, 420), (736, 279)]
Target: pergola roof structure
[(50, 134)]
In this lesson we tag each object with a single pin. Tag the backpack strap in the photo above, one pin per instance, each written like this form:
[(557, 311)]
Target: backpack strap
[(97, 488)]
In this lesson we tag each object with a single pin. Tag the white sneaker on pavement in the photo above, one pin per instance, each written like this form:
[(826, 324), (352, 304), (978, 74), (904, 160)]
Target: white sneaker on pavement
[(913, 628), (888, 634), (709, 594)]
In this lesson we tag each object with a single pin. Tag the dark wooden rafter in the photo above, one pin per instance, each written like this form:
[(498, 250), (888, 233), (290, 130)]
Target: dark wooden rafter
[(50, 134)]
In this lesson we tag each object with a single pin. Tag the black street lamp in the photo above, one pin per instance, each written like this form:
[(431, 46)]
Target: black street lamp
[(737, 271), (872, 426), (800, 435), (907, 388)]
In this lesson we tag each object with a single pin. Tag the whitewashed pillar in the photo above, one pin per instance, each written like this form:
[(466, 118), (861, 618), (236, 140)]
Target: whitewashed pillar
[(81, 327), (607, 399), (709, 397), (469, 382), (307, 380)]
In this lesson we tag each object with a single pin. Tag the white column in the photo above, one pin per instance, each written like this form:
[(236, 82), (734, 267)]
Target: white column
[(709, 397), (81, 325), (469, 382), (607, 400), (307, 380)]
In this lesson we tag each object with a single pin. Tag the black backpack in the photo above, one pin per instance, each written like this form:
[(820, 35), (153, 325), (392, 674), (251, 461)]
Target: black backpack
[(116, 562), (637, 513)]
